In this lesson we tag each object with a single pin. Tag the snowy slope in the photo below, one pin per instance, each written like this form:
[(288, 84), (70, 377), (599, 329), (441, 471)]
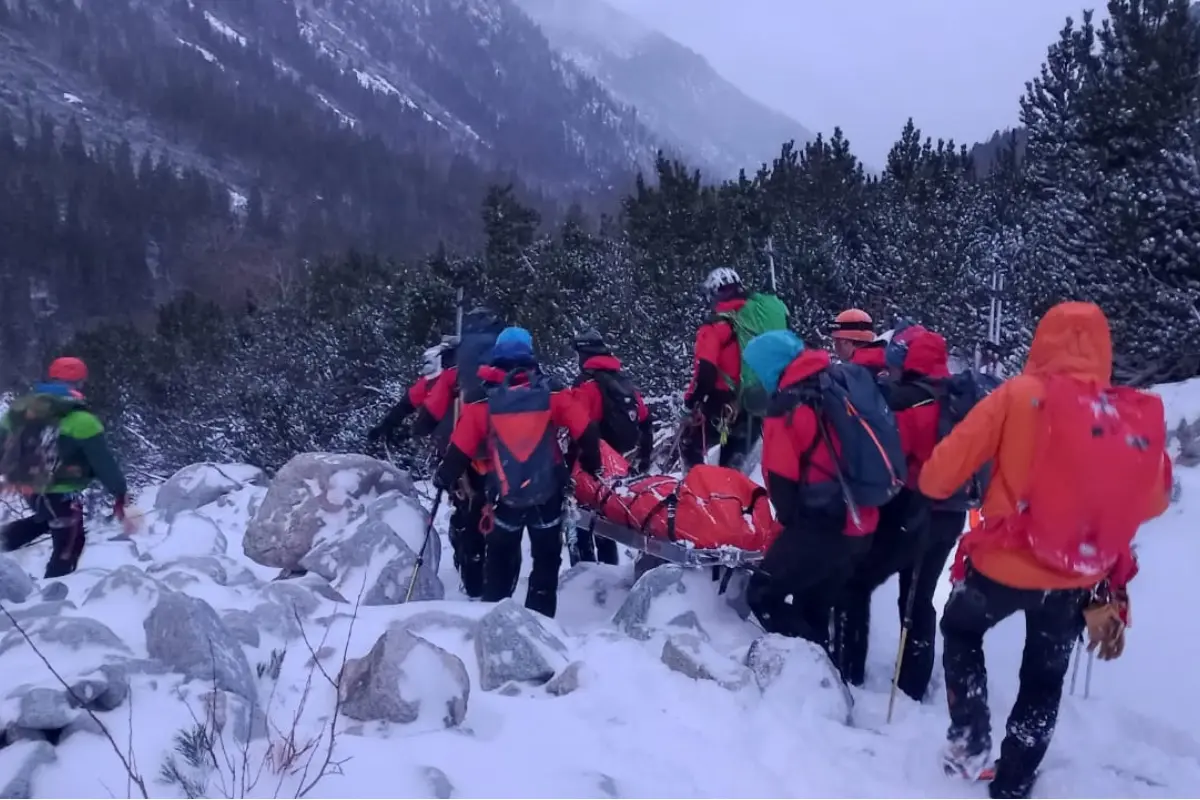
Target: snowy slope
[(633, 727)]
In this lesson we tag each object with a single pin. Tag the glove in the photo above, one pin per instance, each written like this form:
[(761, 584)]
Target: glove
[(1106, 623)]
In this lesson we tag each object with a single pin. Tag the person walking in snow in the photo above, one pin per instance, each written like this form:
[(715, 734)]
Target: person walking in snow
[(616, 408), (821, 538), (437, 369), (512, 435), (713, 398), (1079, 465), (913, 539), (51, 448), (854, 340)]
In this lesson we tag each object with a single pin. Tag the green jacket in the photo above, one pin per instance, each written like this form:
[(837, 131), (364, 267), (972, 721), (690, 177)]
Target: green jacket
[(83, 450)]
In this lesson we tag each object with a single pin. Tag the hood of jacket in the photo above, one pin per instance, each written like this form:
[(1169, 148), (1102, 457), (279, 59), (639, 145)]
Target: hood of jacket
[(769, 355), (805, 365), (729, 306), (606, 363), (927, 355), (1072, 339)]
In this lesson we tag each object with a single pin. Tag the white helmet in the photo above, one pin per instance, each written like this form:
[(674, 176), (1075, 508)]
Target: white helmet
[(431, 365), (720, 278)]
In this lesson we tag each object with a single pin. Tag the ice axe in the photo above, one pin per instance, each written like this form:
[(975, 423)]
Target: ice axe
[(412, 582)]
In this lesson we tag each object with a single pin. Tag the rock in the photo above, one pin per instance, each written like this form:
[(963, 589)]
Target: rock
[(18, 763), (446, 620), (128, 580), (242, 625), (512, 644), (511, 689), (657, 597), (191, 534), (186, 634), (298, 598), (689, 654), (274, 618), (736, 594), (797, 675), (311, 493), (198, 485), (72, 632), (691, 622), (55, 590), (44, 609), (45, 709), (15, 583), (600, 586), (565, 681), (608, 786), (391, 533), (104, 689), (406, 679), (439, 785)]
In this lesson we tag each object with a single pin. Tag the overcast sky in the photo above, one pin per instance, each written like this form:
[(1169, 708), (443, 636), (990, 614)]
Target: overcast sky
[(957, 67)]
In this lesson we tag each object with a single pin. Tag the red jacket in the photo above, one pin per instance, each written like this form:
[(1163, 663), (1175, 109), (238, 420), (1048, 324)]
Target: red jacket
[(917, 414), (797, 465), (589, 395), (468, 443), (871, 356), (441, 394), (718, 361)]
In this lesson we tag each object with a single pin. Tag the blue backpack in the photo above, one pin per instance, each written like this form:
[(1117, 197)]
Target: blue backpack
[(847, 401), (956, 396), (523, 441)]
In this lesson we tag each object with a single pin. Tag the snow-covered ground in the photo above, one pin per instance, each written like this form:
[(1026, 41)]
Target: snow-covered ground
[(659, 690)]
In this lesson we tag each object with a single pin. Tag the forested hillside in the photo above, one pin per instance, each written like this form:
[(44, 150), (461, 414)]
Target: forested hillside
[(1103, 206)]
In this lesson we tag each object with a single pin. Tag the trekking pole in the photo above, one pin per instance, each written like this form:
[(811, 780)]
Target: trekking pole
[(1075, 667), (412, 582), (910, 603)]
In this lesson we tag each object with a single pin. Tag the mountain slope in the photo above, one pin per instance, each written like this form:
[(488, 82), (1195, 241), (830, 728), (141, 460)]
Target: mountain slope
[(677, 93)]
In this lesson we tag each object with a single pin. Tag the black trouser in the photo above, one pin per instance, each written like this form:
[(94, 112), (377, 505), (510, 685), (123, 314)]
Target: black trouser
[(1053, 621), (502, 565), (697, 438), (811, 564), (589, 547), (465, 536), (896, 551), (59, 515)]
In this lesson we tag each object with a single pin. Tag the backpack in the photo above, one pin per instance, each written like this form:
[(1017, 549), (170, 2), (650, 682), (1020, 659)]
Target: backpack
[(761, 313), (1098, 456), (30, 459), (522, 441), (479, 331), (956, 396), (619, 425), (871, 465)]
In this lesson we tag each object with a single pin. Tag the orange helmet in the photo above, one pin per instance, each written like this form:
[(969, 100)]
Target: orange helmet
[(855, 325), (68, 369)]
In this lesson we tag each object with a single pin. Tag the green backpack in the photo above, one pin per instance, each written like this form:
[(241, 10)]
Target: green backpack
[(30, 459), (761, 313)]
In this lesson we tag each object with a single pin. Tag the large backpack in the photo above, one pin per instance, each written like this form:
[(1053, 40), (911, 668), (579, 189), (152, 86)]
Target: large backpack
[(619, 425), (522, 441), (848, 403), (1098, 456), (30, 460), (956, 396), (479, 331), (761, 313)]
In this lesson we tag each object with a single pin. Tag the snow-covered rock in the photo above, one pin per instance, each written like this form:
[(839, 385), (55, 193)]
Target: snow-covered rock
[(689, 654), (658, 597), (198, 485), (186, 635), (18, 763), (128, 584), (55, 590), (191, 534), (314, 492), (15, 583), (567, 680), (797, 675), (407, 680), (512, 644), (376, 554)]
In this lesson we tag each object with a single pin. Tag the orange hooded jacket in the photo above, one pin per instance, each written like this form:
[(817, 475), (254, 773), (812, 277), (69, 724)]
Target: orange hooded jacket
[(1071, 339)]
